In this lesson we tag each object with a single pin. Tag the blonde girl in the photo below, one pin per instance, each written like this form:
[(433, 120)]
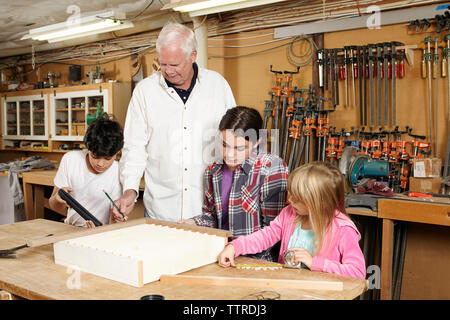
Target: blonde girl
[(313, 228)]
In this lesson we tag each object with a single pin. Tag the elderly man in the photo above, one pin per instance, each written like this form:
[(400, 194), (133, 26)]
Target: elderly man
[(170, 130)]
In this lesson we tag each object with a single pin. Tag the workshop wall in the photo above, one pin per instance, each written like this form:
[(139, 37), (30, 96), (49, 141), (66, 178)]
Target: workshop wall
[(251, 80)]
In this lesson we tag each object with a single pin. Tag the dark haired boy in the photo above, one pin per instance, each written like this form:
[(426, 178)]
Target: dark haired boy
[(86, 173)]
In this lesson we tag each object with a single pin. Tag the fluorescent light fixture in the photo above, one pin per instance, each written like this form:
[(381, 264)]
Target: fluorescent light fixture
[(76, 28), (204, 7)]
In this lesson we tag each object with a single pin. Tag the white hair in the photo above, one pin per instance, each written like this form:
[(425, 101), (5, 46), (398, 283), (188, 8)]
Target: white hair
[(177, 33)]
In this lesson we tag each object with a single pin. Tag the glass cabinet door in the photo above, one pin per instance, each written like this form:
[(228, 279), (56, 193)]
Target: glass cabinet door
[(78, 116), (38, 118), (62, 117), (11, 118), (24, 118)]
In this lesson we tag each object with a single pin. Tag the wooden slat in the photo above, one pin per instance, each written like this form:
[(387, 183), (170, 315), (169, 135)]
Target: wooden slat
[(195, 228), (252, 282), (83, 232), (86, 232)]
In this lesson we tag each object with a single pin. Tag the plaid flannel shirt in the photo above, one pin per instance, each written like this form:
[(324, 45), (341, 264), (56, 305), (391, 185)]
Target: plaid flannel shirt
[(257, 195)]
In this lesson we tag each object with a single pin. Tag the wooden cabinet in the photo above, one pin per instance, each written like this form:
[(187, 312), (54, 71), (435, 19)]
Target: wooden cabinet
[(25, 117), (57, 116), (70, 111)]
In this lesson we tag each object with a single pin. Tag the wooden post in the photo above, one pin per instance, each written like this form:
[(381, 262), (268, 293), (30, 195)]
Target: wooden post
[(386, 259)]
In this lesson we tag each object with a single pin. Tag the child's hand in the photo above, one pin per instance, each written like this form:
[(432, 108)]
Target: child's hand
[(60, 200), (226, 257), (187, 221), (91, 225), (302, 255)]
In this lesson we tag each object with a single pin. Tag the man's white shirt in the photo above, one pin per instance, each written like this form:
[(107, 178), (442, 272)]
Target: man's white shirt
[(173, 142)]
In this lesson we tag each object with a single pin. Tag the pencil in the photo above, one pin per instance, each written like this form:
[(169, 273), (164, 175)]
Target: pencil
[(115, 206)]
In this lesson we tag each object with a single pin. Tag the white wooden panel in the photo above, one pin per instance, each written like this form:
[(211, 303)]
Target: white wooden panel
[(116, 254)]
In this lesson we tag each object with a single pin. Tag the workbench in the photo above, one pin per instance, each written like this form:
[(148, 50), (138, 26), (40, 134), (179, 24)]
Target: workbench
[(34, 275), (401, 208), (410, 211)]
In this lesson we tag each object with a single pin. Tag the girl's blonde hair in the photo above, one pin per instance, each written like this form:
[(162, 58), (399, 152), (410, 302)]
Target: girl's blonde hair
[(320, 186)]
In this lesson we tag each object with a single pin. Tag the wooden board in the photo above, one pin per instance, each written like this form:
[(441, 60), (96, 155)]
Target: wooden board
[(141, 253), (34, 275), (253, 282)]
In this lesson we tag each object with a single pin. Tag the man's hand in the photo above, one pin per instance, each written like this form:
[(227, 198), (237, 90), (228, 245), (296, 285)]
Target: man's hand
[(125, 204), (187, 221)]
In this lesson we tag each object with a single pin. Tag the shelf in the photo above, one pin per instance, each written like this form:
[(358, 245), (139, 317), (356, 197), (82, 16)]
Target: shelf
[(26, 149), (62, 124), (78, 109), (62, 109), (38, 110)]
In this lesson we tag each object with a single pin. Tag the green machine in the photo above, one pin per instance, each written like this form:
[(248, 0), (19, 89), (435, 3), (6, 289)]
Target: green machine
[(90, 117), (357, 166)]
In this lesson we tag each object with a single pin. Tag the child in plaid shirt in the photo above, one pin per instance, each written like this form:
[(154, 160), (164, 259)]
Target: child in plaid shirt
[(247, 190)]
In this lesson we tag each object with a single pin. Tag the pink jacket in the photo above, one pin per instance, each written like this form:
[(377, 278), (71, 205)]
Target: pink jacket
[(343, 256)]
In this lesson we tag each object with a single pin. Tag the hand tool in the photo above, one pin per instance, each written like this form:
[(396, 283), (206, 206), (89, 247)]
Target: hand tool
[(444, 63), (288, 258), (427, 42), (371, 59), (401, 64), (275, 146), (419, 194), (379, 71), (294, 104), (364, 73), (295, 133), (321, 66), (424, 64), (307, 132), (267, 113), (12, 252), (286, 92), (332, 77), (74, 204), (436, 76), (386, 78), (277, 94), (420, 148), (426, 24), (394, 44), (325, 67), (336, 90), (360, 75), (289, 113), (273, 266), (115, 206), (354, 71), (345, 76)]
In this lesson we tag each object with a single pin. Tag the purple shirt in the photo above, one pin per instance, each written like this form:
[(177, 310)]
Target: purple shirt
[(227, 182)]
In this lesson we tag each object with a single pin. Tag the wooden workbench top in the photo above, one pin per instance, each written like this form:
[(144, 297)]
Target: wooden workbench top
[(34, 275)]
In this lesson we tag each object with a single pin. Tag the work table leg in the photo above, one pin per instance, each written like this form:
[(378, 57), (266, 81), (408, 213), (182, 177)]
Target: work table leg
[(28, 199), (387, 248)]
